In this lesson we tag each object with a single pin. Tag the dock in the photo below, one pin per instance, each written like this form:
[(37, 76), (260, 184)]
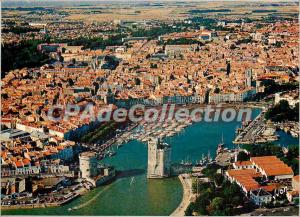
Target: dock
[(256, 131)]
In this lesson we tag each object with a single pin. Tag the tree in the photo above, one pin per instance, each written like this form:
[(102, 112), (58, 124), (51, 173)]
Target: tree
[(70, 82), (231, 191), (190, 209), (291, 158), (210, 170), (153, 65), (243, 156), (202, 186), (218, 178), (172, 77), (282, 112), (201, 204), (73, 61), (217, 90), (24, 54), (217, 204), (137, 81)]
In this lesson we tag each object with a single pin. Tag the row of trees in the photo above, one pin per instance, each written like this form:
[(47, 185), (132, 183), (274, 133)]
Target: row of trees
[(20, 29), (154, 32), (100, 133), (283, 112), (92, 43), (272, 87)]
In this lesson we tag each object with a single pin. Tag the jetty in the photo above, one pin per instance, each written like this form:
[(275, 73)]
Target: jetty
[(256, 131)]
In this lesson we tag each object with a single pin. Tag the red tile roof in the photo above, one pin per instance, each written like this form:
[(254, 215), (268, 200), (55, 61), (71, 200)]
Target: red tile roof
[(245, 177), (272, 165)]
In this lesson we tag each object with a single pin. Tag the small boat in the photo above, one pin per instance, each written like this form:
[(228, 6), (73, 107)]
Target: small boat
[(111, 153), (188, 164), (209, 159), (132, 181)]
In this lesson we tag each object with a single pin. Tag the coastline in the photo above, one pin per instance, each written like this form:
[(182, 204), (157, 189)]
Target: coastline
[(187, 195)]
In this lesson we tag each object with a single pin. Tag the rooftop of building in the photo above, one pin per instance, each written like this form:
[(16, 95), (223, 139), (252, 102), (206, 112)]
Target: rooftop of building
[(272, 165)]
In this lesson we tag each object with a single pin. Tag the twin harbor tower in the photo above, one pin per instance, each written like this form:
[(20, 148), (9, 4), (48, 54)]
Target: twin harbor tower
[(159, 159)]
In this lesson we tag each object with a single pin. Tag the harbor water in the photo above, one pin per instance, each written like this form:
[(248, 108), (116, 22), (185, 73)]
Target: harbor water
[(132, 193)]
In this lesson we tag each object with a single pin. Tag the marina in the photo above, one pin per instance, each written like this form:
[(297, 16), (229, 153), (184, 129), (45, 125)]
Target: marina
[(161, 130), (257, 131), (142, 132)]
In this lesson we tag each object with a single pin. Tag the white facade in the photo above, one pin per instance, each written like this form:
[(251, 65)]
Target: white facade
[(231, 97), (28, 170), (288, 176), (56, 133), (28, 129)]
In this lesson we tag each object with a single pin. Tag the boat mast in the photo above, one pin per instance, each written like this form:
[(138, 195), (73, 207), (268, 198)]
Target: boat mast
[(222, 138)]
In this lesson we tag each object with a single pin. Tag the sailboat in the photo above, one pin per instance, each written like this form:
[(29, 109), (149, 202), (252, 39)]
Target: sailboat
[(188, 163), (199, 163), (220, 146), (132, 181), (209, 159)]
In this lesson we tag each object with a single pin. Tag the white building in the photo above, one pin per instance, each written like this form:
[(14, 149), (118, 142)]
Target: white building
[(19, 171), (159, 159), (260, 197)]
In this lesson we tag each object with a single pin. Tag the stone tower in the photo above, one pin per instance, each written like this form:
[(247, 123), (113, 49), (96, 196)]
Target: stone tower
[(88, 165), (159, 159)]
